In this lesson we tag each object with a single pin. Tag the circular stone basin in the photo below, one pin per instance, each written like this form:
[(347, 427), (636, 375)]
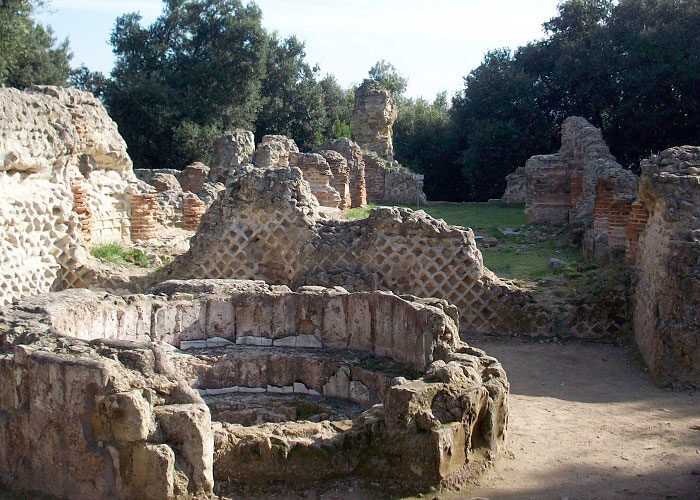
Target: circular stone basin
[(317, 383)]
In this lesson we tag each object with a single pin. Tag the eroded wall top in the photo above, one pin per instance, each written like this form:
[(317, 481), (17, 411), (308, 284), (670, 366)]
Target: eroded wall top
[(373, 118)]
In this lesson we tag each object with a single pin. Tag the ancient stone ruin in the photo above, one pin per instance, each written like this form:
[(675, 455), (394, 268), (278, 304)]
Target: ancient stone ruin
[(583, 186), (231, 383), (267, 227), (373, 118), (667, 296), (652, 223), (65, 180), (515, 188)]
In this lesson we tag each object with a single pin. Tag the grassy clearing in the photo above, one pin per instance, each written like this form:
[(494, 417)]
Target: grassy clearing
[(116, 254), (515, 257)]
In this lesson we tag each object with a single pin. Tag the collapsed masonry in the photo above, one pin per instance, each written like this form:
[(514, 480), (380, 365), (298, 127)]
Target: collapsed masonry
[(98, 399), (584, 186), (667, 296), (65, 180), (267, 226), (655, 230), (182, 195)]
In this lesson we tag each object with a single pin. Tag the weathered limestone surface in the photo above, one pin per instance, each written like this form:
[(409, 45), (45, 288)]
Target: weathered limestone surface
[(274, 152), (194, 176), (89, 410), (356, 168), (231, 151), (267, 227), (65, 178), (92, 419), (584, 186), (373, 118), (390, 182), (667, 309), (318, 174), (341, 178), (515, 188)]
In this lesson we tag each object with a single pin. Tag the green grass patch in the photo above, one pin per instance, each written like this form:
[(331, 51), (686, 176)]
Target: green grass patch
[(359, 212), (513, 257), (116, 254)]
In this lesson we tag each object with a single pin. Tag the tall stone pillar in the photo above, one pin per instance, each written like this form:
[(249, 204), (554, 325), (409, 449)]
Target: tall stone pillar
[(373, 118)]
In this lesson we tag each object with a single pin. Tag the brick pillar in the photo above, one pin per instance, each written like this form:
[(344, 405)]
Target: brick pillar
[(611, 214), (636, 222), (81, 207), (193, 208), (144, 207)]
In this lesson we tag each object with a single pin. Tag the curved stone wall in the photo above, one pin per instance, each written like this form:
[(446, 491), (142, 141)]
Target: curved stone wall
[(414, 406)]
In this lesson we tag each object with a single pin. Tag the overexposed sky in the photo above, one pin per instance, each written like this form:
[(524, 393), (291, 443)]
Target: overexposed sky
[(433, 43)]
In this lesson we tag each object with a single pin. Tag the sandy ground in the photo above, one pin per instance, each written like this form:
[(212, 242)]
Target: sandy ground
[(587, 423)]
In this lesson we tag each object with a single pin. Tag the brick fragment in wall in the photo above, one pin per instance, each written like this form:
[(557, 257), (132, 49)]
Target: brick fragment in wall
[(193, 209), (341, 179), (318, 174), (194, 177), (375, 178), (636, 222), (356, 168), (82, 207), (144, 208)]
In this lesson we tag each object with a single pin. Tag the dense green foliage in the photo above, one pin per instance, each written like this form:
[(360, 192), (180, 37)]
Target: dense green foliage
[(424, 141), (29, 54), (390, 78), (631, 68)]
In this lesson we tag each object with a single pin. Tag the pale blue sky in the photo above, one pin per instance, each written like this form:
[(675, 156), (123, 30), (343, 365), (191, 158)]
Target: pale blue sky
[(433, 43)]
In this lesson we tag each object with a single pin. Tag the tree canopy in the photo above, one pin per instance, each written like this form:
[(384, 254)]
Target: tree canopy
[(29, 54)]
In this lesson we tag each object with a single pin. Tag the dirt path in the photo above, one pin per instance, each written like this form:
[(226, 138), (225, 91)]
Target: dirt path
[(586, 423)]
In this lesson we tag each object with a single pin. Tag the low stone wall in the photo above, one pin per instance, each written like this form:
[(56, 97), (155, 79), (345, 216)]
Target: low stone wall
[(667, 296), (267, 227)]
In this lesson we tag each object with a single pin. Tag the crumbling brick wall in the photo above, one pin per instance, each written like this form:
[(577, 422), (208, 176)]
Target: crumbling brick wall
[(547, 195), (667, 295), (610, 219), (581, 185), (341, 178), (143, 216), (636, 222), (193, 209), (318, 174), (267, 227)]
